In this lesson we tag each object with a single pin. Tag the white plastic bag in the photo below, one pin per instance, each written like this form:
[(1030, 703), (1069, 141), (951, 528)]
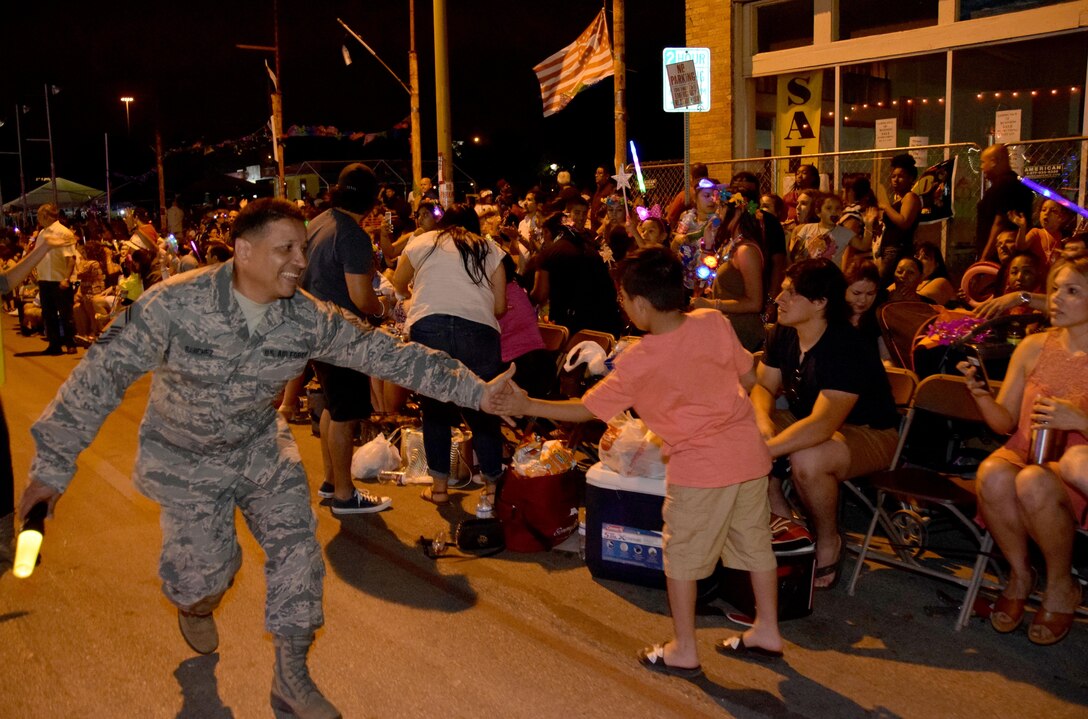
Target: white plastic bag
[(377, 455), (589, 352), (630, 449)]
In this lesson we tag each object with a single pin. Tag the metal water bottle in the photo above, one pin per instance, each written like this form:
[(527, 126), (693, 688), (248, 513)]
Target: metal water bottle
[(1046, 445)]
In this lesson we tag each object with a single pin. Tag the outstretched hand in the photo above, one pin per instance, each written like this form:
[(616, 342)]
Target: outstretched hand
[(495, 390), (997, 305), (513, 401)]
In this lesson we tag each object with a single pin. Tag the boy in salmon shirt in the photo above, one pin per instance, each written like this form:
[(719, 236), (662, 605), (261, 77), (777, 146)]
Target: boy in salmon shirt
[(688, 380)]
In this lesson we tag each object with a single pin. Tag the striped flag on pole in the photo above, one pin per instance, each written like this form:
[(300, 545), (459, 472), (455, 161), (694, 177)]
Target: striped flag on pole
[(586, 61)]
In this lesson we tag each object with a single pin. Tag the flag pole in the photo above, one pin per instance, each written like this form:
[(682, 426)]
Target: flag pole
[(22, 175), (619, 80)]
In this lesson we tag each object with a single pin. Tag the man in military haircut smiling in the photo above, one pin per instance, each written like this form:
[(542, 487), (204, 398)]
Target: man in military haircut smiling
[(222, 342)]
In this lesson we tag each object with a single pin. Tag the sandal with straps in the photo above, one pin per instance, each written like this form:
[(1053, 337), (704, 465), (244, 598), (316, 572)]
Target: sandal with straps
[(1007, 613), (1049, 627), (439, 499)]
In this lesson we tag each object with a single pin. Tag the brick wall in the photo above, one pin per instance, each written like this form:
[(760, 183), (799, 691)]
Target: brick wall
[(709, 25)]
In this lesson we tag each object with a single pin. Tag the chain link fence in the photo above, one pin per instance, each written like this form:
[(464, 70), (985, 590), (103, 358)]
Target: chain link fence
[(1057, 164)]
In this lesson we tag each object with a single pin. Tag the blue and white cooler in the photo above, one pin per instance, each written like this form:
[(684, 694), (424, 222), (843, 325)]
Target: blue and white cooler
[(623, 543), (623, 527)]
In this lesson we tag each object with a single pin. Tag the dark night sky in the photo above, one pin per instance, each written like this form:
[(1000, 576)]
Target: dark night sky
[(180, 63)]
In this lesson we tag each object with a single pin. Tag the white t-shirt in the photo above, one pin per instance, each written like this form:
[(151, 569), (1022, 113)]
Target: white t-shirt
[(54, 266), (812, 241), (441, 286)]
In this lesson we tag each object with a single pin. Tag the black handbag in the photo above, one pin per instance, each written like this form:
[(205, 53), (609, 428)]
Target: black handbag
[(480, 535)]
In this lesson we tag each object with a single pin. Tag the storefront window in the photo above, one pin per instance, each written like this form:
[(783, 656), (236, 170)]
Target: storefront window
[(971, 9), (783, 25), (860, 18), (904, 98), (1042, 79)]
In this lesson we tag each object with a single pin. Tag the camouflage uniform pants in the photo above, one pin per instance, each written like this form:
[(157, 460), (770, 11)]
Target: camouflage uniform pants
[(200, 551)]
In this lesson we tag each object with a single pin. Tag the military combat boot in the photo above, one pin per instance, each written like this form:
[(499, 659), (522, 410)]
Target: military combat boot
[(197, 624), (293, 691)]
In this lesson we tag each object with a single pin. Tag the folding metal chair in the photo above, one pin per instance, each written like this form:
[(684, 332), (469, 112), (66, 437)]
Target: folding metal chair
[(605, 340), (555, 336), (944, 396), (903, 384)]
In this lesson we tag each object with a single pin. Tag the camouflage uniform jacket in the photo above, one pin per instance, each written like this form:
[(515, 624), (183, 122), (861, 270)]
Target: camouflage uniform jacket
[(214, 382)]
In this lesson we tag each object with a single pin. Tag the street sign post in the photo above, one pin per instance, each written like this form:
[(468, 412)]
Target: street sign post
[(685, 88), (686, 79)]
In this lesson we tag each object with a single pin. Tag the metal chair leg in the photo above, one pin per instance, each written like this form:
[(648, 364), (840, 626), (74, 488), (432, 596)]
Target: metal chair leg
[(865, 544), (984, 550)]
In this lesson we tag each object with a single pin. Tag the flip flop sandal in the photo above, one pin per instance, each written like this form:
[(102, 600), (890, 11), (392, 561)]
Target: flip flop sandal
[(833, 570), (429, 495), (653, 658), (735, 647)]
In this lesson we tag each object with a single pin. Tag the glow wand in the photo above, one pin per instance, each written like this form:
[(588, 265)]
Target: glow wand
[(30, 541), (638, 168), (1052, 195)]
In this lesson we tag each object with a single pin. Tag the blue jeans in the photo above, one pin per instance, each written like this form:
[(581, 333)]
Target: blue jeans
[(477, 347)]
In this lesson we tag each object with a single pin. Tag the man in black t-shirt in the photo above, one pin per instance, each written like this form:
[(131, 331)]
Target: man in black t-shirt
[(842, 422), (1005, 194), (340, 270)]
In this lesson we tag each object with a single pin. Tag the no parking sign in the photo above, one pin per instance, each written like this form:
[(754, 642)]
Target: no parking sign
[(686, 79)]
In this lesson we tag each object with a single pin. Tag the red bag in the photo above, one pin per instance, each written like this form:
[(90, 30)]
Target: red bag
[(537, 513)]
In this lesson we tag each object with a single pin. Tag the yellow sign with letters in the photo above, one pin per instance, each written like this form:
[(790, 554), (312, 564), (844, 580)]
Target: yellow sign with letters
[(797, 126)]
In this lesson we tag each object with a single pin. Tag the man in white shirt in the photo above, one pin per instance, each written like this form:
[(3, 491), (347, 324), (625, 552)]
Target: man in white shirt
[(175, 219), (55, 275)]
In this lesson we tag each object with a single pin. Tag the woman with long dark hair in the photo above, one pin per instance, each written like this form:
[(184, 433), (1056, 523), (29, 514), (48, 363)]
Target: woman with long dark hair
[(458, 289), (738, 289), (936, 282)]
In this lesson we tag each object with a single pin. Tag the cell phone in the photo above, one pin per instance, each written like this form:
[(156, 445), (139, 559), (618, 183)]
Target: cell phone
[(975, 360), (389, 220)]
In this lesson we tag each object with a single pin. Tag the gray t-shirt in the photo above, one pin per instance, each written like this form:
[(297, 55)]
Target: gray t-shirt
[(338, 245)]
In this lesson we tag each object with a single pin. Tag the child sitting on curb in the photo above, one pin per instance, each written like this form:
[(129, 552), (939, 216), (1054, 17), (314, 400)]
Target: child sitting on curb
[(688, 380)]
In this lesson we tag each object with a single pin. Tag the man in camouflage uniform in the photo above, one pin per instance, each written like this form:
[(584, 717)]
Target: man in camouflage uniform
[(222, 343)]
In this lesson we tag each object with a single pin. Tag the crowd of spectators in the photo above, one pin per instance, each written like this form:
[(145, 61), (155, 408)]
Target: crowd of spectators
[(801, 277)]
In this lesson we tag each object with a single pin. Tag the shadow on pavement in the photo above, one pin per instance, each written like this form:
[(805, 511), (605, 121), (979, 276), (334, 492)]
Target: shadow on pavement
[(365, 549), (199, 689), (801, 698)]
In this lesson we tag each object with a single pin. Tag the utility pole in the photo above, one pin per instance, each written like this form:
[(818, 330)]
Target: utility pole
[(413, 90), (619, 80), (52, 163), (413, 80), (22, 175), (162, 179), (109, 204), (442, 105)]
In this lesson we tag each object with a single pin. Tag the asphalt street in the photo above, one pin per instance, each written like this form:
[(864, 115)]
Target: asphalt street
[(518, 635)]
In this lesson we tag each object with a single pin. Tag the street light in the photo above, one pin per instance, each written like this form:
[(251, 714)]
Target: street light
[(128, 125)]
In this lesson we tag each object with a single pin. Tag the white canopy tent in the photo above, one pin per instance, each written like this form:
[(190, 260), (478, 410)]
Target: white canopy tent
[(69, 194)]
